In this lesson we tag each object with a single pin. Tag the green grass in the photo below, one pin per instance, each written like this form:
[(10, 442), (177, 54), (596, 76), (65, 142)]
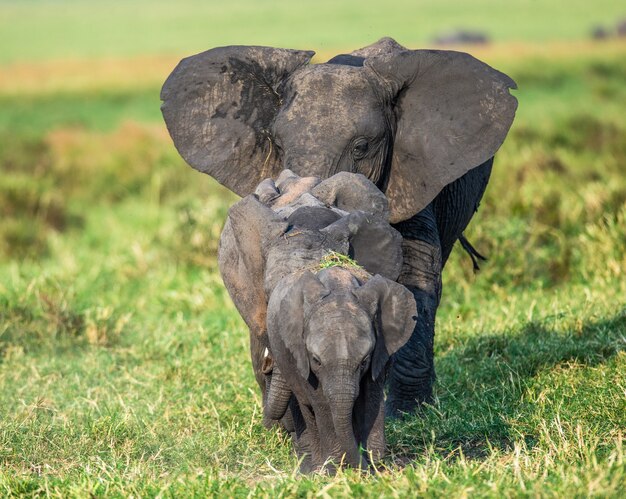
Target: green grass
[(40, 29), (124, 367), (334, 259), (96, 110)]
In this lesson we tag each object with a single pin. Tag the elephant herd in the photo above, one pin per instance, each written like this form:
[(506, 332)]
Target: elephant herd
[(382, 156)]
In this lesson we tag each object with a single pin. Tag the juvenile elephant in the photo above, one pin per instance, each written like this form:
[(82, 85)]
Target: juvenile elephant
[(331, 336), (423, 125), (330, 331)]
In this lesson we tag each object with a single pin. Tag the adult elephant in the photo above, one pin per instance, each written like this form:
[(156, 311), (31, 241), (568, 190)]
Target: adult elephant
[(423, 125)]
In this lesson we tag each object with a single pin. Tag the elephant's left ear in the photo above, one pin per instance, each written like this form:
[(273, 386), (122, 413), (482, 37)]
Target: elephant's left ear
[(394, 311), (453, 113)]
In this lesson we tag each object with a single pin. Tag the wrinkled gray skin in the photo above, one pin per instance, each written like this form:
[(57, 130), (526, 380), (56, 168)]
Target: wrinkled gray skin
[(321, 361), (333, 358), (423, 125)]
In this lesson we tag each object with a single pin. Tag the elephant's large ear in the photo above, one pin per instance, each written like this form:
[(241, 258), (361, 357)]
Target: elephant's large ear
[(249, 226), (374, 244), (453, 114), (286, 313), (394, 311), (219, 106)]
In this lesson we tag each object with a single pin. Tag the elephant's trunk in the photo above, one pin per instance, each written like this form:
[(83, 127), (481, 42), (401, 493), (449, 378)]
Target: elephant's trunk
[(342, 394), (278, 396)]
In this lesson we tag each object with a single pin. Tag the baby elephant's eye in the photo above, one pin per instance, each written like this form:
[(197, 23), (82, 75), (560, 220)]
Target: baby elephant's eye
[(360, 148), (316, 361)]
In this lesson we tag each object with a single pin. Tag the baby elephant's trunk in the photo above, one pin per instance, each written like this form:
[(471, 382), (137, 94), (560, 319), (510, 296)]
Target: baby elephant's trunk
[(342, 395), (278, 395)]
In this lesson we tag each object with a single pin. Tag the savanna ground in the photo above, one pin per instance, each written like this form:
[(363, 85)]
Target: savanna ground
[(124, 367)]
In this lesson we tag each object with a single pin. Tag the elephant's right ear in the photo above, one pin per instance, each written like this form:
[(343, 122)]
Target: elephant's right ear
[(286, 312), (453, 113), (374, 244), (219, 106), (394, 312)]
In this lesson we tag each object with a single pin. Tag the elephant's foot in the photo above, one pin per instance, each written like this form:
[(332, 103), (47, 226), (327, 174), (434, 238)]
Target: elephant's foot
[(304, 455), (375, 451)]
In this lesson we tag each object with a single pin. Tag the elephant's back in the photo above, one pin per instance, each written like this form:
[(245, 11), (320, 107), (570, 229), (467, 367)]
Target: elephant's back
[(312, 217)]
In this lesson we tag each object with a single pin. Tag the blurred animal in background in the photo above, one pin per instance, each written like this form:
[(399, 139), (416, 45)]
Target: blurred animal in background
[(600, 32), (461, 37), (422, 125), (321, 330)]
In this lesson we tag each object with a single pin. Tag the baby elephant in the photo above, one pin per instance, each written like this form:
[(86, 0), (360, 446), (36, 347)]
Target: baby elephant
[(321, 336)]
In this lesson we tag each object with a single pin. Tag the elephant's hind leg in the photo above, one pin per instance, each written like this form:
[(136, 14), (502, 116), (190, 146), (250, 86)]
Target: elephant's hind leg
[(412, 371)]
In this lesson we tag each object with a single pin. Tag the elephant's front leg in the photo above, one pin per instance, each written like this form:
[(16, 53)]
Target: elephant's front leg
[(412, 372), (305, 437), (369, 418)]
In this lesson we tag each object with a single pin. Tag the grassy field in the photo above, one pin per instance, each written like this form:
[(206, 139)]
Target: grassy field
[(124, 367), (43, 29)]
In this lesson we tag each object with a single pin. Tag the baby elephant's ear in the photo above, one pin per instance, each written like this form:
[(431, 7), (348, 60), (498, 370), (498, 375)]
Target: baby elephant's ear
[(394, 314), (374, 244), (219, 106), (249, 227), (352, 192), (453, 114), (288, 306)]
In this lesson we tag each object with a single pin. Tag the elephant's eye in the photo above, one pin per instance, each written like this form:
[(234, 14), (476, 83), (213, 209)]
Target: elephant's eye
[(365, 362), (360, 148), (316, 361)]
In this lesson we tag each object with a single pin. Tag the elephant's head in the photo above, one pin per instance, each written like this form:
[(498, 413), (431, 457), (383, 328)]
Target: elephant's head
[(335, 334), (410, 120)]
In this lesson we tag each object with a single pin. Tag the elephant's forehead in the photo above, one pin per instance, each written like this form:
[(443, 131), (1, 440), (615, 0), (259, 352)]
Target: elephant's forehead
[(331, 78), (330, 90), (338, 278), (341, 312), (340, 328)]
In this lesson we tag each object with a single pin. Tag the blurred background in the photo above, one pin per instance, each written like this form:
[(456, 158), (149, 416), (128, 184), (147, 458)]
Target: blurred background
[(108, 240), (80, 125)]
